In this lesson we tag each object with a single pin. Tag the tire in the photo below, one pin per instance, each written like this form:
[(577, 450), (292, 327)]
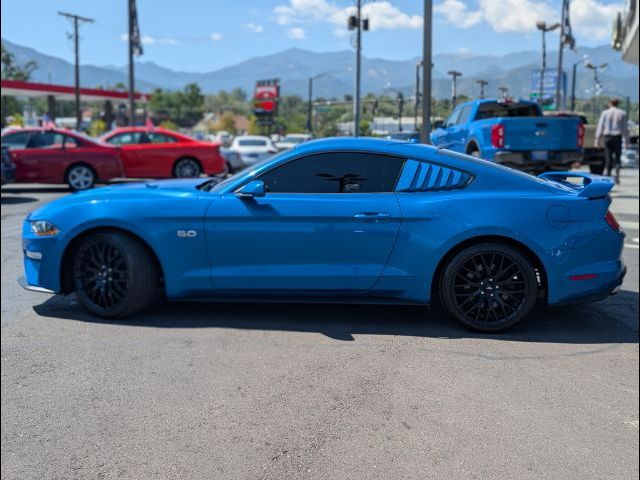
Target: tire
[(114, 275), (596, 168), (489, 287), (187, 168), (473, 151), (80, 177)]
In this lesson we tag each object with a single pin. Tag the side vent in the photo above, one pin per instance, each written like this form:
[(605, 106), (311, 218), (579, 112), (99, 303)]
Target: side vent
[(428, 177)]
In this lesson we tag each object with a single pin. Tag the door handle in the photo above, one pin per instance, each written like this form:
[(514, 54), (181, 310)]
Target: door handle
[(372, 215)]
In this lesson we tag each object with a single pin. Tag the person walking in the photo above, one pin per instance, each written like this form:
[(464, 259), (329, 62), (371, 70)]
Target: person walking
[(613, 129)]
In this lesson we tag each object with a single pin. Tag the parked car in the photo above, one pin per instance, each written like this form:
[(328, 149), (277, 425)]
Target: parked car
[(252, 149), (405, 136), (346, 220), (591, 155), (512, 133), (232, 159), (161, 153), (629, 158), (291, 140), (8, 166), (61, 156)]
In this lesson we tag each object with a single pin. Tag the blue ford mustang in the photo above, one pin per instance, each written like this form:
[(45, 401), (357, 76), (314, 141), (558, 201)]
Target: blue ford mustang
[(349, 220)]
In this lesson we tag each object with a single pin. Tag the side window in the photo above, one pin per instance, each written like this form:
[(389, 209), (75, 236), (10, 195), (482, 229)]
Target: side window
[(160, 138), (128, 138), (15, 140), (452, 119), (465, 113), (46, 140), (71, 142), (340, 172)]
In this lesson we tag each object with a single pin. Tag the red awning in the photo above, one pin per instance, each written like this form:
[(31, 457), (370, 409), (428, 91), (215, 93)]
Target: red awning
[(18, 88)]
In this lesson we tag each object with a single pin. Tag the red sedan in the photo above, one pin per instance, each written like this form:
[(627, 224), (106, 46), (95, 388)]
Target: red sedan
[(61, 156), (160, 153)]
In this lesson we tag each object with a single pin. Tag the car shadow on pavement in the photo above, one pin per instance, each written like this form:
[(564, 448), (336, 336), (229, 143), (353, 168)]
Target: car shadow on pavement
[(614, 320), (15, 200)]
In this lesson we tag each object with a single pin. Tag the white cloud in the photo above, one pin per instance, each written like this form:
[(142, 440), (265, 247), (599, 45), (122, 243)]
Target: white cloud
[(149, 40), (216, 37), (592, 19), (255, 27), (516, 15), (381, 15), (457, 12), (297, 33)]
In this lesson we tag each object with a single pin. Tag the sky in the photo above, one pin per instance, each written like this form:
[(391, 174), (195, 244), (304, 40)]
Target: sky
[(205, 35)]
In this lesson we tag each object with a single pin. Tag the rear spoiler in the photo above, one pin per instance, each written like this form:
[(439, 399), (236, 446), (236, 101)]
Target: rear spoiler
[(592, 186)]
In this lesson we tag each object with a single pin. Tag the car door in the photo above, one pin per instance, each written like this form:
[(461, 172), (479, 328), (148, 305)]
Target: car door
[(443, 137), (43, 160), (131, 151), (459, 130), (327, 223)]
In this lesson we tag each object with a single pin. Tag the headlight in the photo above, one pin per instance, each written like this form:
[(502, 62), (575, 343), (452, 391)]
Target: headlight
[(43, 228)]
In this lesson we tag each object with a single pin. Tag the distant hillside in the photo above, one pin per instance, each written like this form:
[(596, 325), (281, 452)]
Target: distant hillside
[(294, 66)]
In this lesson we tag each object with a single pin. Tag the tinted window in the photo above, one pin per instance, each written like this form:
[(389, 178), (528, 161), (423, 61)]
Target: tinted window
[(465, 113), (70, 142), (16, 140), (160, 138), (452, 119), (335, 173), (498, 109), (252, 143), (129, 138), (46, 140)]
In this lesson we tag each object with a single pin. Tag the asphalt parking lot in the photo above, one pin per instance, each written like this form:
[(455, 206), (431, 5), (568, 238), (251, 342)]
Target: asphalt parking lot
[(252, 391)]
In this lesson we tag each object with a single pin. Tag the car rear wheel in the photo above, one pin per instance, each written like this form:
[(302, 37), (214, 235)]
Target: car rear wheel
[(489, 287), (114, 275), (80, 177), (187, 168)]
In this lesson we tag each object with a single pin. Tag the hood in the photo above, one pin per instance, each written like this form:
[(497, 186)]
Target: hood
[(147, 191)]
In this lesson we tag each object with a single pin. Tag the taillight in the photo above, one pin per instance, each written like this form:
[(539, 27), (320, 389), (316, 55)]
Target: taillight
[(580, 138), (611, 221), (497, 135)]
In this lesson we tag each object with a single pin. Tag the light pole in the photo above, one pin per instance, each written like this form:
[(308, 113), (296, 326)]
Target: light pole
[(426, 72), (310, 95), (565, 39), (454, 85), (357, 23), (417, 103), (504, 91), (595, 69), (482, 83), (542, 26)]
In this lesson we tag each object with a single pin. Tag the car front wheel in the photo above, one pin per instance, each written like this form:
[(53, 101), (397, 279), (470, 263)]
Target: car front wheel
[(489, 287), (114, 275), (80, 177)]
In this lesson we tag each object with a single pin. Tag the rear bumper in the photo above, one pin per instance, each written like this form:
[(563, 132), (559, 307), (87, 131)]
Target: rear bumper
[(601, 292), (556, 160)]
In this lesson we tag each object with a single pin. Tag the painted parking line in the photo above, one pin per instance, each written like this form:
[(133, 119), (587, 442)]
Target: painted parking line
[(629, 225)]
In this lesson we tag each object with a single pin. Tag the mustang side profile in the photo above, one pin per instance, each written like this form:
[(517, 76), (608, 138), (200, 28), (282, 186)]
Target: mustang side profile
[(348, 220)]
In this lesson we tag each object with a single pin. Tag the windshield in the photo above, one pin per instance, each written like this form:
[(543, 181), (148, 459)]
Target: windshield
[(289, 139), (252, 142)]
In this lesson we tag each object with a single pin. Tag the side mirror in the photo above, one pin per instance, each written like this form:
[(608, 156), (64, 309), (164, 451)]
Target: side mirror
[(253, 189)]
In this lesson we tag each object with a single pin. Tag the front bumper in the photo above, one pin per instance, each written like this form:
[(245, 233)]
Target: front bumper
[(556, 160), (24, 284)]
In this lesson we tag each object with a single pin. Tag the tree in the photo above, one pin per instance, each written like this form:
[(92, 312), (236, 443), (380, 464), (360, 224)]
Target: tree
[(11, 70), (227, 122)]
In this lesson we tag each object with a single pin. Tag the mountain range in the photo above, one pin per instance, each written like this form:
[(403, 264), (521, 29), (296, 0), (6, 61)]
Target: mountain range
[(294, 67)]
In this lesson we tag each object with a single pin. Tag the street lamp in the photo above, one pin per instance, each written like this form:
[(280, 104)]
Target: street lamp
[(417, 103), (504, 91), (542, 26), (482, 84), (595, 69), (357, 23), (310, 95), (454, 85)]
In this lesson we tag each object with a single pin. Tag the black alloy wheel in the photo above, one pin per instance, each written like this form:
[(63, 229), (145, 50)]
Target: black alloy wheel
[(114, 275), (489, 287)]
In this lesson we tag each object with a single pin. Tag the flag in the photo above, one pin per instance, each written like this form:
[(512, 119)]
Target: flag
[(567, 34), (47, 122), (136, 40)]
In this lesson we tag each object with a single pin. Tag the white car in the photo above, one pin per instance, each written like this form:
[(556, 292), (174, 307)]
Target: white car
[(293, 139), (629, 158), (252, 149)]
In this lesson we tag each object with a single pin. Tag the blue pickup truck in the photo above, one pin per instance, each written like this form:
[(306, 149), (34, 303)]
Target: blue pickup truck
[(512, 133)]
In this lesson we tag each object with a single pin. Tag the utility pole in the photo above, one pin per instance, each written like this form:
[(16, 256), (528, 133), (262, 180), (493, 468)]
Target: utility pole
[(357, 23), (417, 102), (482, 84), (566, 37), (76, 40), (454, 85), (426, 72), (310, 106), (573, 86), (542, 26)]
